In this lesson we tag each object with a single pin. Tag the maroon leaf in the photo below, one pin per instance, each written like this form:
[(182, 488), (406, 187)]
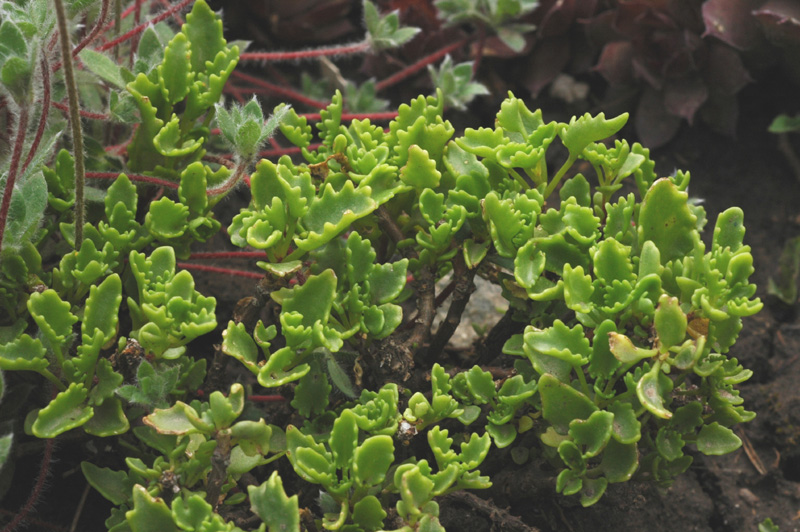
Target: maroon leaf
[(724, 70), (615, 62), (683, 97), (780, 20), (547, 60), (557, 19), (654, 125), (731, 22)]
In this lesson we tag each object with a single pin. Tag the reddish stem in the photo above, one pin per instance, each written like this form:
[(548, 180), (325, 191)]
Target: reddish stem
[(419, 65), (87, 40), (133, 177), (45, 112), (266, 398), (215, 269), (125, 14), (85, 114), (37, 488), (231, 182), (19, 142), (386, 115), (344, 49), (281, 91), (141, 27), (227, 255), (178, 19), (137, 17)]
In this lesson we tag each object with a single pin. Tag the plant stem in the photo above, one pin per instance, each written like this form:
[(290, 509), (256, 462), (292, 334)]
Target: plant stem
[(87, 40), (215, 269), (281, 91), (19, 141), (229, 183), (419, 65), (74, 119), (387, 115), (45, 113), (36, 492), (464, 287), (133, 177), (266, 398), (557, 178), (81, 112), (141, 27), (228, 255), (343, 49)]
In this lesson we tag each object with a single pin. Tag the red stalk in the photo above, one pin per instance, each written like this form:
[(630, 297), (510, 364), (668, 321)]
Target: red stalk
[(178, 19), (125, 14), (227, 255), (215, 269), (386, 115), (133, 177), (19, 142), (281, 91), (37, 488), (419, 65), (141, 27), (87, 40), (85, 114), (45, 112), (266, 398), (345, 49)]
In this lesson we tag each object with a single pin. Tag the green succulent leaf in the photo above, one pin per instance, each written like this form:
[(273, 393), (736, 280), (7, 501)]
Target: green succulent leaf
[(670, 322), (270, 502), (174, 73), (592, 433), (580, 132), (652, 389), (24, 353), (561, 404), (149, 513), (715, 439), (666, 220), (372, 459), (113, 485), (65, 412)]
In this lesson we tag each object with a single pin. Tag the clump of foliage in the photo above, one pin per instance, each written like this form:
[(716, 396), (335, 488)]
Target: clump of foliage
[(627, 317)]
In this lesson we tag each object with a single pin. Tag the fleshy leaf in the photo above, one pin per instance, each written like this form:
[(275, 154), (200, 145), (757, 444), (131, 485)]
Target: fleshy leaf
[(372, 459), (561, 404), (714, 439), (665, 218), (67, 411)]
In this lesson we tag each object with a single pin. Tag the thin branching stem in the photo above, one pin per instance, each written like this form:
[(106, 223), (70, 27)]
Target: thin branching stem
[(74, 118), (229, 183), (91, 36), (228, 255), (36, 493), (19, 142), (464, 287), (133, 177), (141, 27), (280, 91), (45, 112), (216, 269), (419, 65), (81, 112), (344, 49)]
